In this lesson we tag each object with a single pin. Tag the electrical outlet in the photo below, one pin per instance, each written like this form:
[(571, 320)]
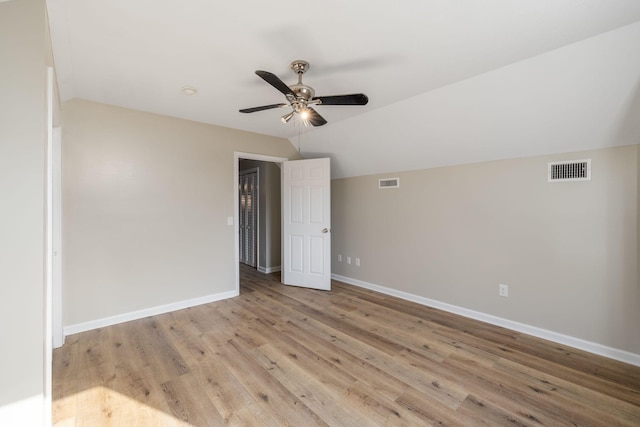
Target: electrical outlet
[(357, 262), (348, 260), (503, 290), (339, 257)]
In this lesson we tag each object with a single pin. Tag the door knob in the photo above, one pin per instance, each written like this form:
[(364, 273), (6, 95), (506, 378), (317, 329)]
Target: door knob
[(325, 230)]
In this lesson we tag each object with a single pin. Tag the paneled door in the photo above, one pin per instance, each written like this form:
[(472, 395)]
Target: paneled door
[(306, 210), (248, 221)]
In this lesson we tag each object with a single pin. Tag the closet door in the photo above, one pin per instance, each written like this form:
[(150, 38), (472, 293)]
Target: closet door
[(248, 183)]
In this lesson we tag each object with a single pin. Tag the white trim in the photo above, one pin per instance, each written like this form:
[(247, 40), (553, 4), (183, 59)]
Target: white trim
[(262, 157), (48, 308), (58, 332), (269, 270), (592, 347), (152, 311), (237, 155)]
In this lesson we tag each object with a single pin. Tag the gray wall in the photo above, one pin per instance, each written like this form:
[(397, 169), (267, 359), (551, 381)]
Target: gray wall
[(23, 55), (568, 251), (145, 205), (269, 213), (273, 220)]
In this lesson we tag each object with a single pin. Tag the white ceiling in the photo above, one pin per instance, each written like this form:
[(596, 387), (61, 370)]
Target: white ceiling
[(449, 82)]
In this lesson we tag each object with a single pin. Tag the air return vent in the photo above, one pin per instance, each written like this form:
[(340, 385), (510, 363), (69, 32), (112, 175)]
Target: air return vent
[(573, 170), (389, 183)]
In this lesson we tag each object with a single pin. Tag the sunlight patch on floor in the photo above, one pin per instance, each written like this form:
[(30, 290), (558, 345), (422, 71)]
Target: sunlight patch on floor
[(101, 406)]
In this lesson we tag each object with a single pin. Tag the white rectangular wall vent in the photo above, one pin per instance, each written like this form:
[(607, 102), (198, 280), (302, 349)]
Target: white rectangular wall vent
[(572, 170), (389, 183)]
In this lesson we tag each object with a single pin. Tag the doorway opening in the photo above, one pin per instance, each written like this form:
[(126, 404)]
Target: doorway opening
[(258, 241)]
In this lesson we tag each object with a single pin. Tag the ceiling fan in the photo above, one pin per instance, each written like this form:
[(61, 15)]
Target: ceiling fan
[(301, 97)]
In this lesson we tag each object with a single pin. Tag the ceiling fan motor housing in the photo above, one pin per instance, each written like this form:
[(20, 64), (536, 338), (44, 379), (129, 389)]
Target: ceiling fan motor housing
[(303, 91)]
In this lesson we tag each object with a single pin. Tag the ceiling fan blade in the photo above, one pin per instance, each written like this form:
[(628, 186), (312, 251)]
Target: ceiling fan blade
[(314, 118), (264, 107), (352, 99), (275, 81)]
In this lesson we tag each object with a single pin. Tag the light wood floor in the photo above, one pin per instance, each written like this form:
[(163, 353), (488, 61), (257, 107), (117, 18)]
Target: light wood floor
[(280, 355)]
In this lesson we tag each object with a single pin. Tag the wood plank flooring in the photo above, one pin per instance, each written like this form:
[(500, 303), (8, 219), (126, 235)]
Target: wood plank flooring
[(286, 356)]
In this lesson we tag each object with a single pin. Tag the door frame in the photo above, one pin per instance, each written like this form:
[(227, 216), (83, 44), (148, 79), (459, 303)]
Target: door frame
[(237, 155)]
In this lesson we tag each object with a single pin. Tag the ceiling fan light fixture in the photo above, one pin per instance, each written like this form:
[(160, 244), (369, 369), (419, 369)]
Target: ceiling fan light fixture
[(286, 117), (304, 115)]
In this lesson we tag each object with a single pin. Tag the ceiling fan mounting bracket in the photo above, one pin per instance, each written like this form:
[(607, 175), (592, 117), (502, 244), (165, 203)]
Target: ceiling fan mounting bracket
[(299, 66)]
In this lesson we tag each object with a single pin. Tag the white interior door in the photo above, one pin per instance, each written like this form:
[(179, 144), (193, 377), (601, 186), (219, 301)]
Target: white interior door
[(306, 217)]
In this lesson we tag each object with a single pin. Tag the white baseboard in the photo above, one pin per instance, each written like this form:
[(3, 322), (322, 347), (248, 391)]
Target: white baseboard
[(140, 314), (592, 347), (269, 270)]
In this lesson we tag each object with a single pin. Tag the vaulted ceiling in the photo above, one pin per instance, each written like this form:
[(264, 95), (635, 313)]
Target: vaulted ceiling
[(449, 82)]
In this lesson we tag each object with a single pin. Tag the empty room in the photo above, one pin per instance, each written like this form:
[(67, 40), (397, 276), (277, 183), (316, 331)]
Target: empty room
[(320, 213)]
